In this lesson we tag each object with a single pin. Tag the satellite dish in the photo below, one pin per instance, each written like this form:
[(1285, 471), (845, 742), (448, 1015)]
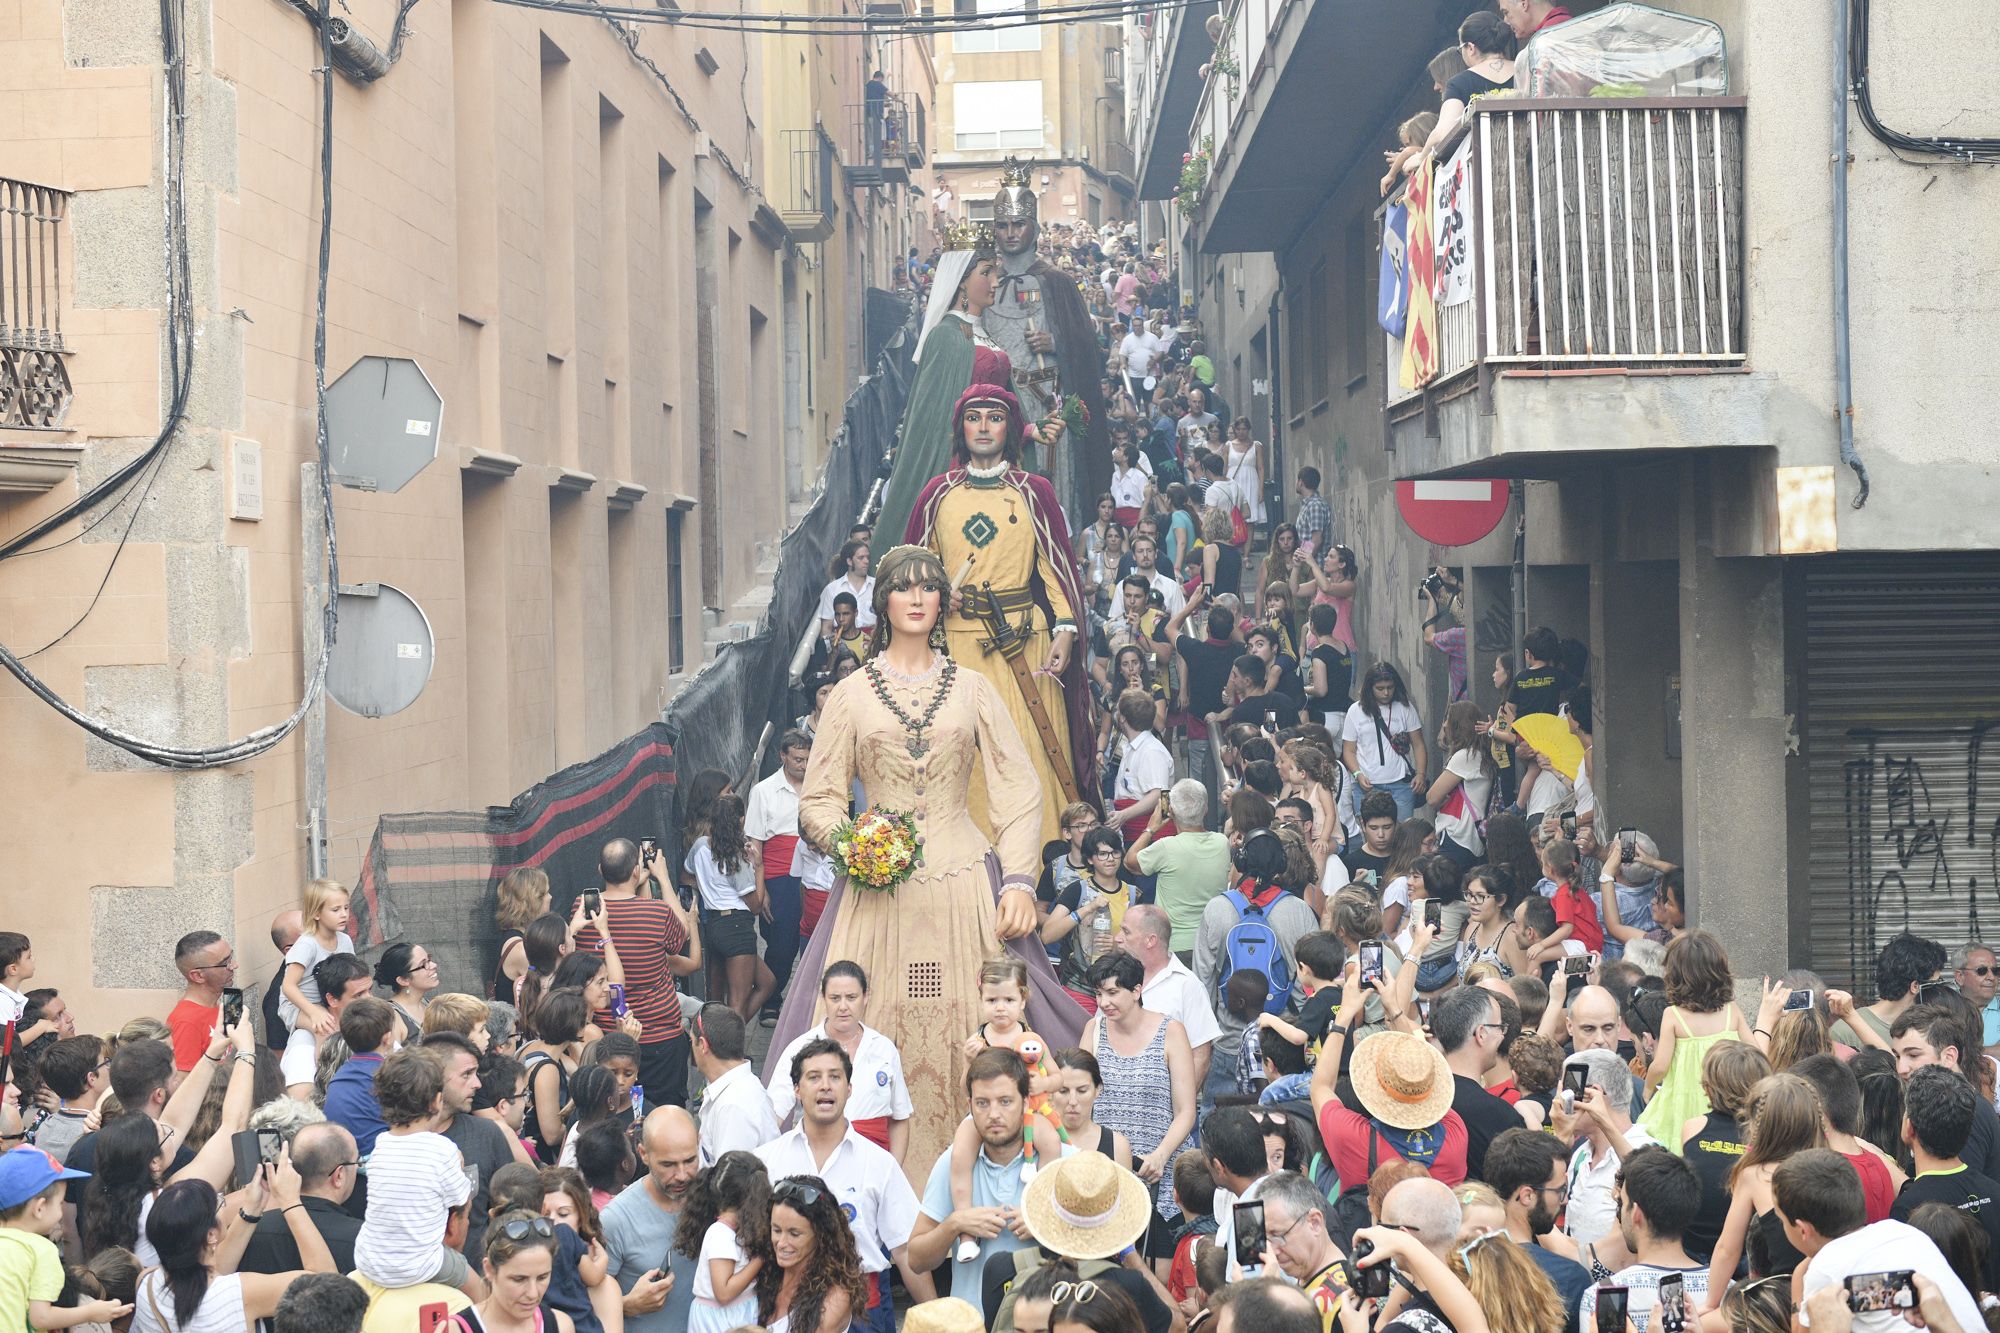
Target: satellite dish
[(382, 421), (382, 658)]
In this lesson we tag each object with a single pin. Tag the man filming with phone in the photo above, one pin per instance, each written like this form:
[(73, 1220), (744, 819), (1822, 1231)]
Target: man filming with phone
[(1419, 1229), (656, 941), (208, 964)]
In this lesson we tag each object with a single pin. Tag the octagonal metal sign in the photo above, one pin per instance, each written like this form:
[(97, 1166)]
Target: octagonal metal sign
[(382, 421)]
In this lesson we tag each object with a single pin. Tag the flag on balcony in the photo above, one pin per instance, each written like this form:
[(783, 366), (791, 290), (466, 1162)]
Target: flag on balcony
[(1392, 300), (1420, 358), (1452, 226)]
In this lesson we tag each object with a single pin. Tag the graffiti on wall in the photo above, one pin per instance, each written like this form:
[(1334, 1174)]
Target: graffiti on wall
[(1922, 816)]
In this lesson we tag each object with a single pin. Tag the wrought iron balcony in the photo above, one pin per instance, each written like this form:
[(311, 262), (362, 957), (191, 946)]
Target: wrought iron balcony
[(806, 193), (35, 390), (885, 140)]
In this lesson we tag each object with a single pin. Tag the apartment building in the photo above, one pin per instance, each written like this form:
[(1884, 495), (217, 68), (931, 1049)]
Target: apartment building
[(1794, 630), (565, 222), (1050, 95)]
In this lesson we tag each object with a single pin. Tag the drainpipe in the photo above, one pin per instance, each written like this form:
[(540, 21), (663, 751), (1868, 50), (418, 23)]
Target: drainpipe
[(1843, 363)]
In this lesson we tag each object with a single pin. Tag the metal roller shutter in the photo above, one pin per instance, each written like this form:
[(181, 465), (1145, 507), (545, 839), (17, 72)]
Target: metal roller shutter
[(1901, 689)]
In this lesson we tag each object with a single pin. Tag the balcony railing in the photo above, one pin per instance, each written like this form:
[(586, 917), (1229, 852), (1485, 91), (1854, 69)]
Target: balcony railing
[(35, 390), (1599, 233), (806, 192), (885, 140)]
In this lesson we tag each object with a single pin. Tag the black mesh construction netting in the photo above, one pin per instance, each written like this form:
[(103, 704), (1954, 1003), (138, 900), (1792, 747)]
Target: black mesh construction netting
[(432, 876)]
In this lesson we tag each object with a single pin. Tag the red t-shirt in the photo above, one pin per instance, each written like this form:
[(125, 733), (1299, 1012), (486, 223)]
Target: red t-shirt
[(1556, 15), (1346, 1136), (191, 1025), (1579, 910), (647, 934)]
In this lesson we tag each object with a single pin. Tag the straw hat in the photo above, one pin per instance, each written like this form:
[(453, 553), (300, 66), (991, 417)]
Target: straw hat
[(1402, 1080), (1085, 1207), (947, 1314)]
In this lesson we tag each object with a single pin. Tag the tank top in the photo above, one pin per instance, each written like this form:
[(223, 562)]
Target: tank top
[(1228, 569), (502, 986), (220, 1311), (531, 1123), (1770, 1252), (1878, 1192), (1713, 1153), (1138, 1100)]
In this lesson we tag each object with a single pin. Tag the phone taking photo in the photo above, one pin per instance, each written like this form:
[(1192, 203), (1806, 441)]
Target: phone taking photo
[(593, 902), (1796, 1001), (1576, 965), (1871, 1292), (1247, 1217), (1575, 1079), (1370, 954), (1611, 1305), (1670, 1307), (1628, 843), (232, 1007), (1433, 913)]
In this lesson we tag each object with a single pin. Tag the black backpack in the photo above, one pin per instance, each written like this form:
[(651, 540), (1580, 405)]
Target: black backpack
[(1350, 1210)]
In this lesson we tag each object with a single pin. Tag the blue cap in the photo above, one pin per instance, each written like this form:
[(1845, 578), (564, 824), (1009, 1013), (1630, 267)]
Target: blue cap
[(27, 1171)]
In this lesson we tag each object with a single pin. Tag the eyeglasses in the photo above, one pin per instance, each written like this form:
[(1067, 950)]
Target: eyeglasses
[(795, 1189), (1982, 971), (1560, 1191), (222, 966), (1079, 1292), (523, 1227), (1278, 1237), (1477, 899), (1483, 1026), (428, 962), (1403, 1227)]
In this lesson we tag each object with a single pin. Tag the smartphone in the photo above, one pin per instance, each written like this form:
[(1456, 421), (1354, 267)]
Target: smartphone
[(1628, 842), (1576, 965), (232, 1007), (1371, 961), (247, 1151), (1575, 1079), (432, 1317), (1369, 1283), (1797, 1000), (618, 1005), (1611, 1303), (270, 1144), (648, 849), (1248, 1217), (1670, 1306), (1568, 823), (1270, 720), (593, 902), (1895, 1290), (1433, 913)]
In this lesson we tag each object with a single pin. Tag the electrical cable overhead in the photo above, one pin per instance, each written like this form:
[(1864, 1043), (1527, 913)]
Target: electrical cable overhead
[(1971, 151), (180, 352), (851, 25)]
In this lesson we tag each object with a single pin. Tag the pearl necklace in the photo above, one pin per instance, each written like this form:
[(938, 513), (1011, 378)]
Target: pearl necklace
[(999, 469)]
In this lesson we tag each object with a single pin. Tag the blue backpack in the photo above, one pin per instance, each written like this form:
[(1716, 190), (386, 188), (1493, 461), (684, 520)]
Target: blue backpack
[(1251, 945)]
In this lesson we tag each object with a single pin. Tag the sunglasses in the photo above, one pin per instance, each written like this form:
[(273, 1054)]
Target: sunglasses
[(523, 1227), (1982, 971), (1079, 1292), (796, 1191)]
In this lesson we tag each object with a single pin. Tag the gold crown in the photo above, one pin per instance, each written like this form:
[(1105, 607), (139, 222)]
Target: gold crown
[(1016, 172), (974, 236), (1015, 200)]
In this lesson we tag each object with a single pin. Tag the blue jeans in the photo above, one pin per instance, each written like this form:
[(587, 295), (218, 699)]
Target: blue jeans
[(1406, 798), (881, 1319)]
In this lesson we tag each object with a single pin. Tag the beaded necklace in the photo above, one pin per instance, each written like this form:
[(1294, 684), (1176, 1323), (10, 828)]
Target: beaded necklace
[(917, 745)]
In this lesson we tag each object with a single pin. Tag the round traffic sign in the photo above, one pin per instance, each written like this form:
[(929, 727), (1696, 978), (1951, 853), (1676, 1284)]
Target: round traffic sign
[(1451, 511)]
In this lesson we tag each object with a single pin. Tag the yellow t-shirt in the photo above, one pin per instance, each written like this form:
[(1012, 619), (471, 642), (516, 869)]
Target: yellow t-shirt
[(395, 1309), (30, 1270)]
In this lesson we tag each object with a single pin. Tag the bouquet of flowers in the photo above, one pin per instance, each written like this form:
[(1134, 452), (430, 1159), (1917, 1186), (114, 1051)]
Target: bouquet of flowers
[(1075, 416), (878, 849)]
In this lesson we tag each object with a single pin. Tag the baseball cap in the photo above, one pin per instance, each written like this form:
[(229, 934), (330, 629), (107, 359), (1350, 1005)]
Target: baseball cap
[(27, 1171)]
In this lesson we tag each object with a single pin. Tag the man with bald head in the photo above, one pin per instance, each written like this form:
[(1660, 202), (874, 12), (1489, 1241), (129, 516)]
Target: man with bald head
[(639, 1226), (286, 927), (1266, 1304), (656, 942), (1170, 987), (1419, 1228), (1594, 1025), (326, 1159)]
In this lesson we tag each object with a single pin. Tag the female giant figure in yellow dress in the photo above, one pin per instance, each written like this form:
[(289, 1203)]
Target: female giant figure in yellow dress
[(915, 726)]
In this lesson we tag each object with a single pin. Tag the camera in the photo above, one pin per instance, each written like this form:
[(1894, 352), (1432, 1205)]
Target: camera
[(1371, 1283), (1431, 588)]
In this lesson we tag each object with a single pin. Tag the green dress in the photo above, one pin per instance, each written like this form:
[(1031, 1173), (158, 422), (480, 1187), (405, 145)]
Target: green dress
[(1680, 1097), (923, 447)]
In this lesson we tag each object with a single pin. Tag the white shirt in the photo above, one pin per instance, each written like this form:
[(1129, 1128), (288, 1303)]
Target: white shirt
[(1885, 1247), (1175, 599), (1128, 488), (1374, 753), (864, 600), (12, 1004), (1177, 993), (874, 1193), (1334, 877), (1138, 349), (735, 1114), (878, 1085), (773, 809), (1463, 828), (414, 1180), (1146, 767), (1593, 1208), (1552, 791), (720, 892)]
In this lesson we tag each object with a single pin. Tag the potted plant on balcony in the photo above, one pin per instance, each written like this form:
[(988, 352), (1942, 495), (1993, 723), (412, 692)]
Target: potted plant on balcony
[(1194, 178), (1223, 62)]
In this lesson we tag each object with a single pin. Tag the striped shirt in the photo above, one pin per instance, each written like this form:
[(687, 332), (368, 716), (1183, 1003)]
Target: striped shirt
[(647, 934), (414, 1180)]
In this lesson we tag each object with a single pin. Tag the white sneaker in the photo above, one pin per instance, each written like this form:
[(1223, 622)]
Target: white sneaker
[(1027, 1172), (968, 1250)]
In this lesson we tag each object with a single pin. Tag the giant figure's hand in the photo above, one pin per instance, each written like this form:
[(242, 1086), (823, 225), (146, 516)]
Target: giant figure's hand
[(1015, 915), (1041, 340)]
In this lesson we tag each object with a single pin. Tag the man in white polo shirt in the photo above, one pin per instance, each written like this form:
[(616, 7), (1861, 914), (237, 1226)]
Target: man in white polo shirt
[(881, 1207), (1171, 987), (735, 1111)]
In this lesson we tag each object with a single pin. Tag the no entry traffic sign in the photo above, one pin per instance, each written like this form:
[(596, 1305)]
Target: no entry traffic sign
[(1451, 512)]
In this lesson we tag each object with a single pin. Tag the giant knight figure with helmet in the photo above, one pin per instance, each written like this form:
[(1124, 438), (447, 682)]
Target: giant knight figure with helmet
[(1038, 317)]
